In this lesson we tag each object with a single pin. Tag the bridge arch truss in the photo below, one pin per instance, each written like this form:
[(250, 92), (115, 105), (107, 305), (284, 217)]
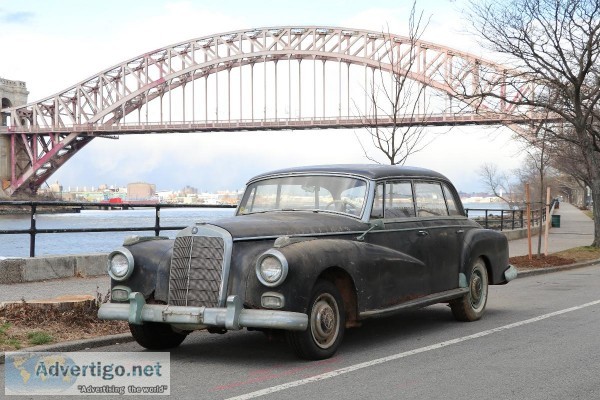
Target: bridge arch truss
[(255, 79)]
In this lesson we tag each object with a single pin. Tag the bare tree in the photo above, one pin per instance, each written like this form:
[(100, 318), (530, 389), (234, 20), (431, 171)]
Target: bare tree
[(401, 100), (555, 47), (497, 182), (571, 161)]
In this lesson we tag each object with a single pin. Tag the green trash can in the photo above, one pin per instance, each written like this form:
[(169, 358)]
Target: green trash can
[(556, 221)]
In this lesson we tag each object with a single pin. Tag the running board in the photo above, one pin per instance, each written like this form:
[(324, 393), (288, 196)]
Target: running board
[(417, 303)]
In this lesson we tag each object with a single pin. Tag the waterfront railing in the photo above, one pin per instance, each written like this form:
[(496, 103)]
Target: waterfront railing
[(35, 207), (488, 218), (510, 219)]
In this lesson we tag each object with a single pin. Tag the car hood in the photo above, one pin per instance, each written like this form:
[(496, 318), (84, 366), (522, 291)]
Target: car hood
[(288, 223)]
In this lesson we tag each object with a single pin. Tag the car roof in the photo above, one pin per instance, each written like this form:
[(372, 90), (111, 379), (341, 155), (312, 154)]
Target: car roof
[(369, 171)]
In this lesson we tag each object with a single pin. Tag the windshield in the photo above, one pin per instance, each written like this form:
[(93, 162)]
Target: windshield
[(307, 192)]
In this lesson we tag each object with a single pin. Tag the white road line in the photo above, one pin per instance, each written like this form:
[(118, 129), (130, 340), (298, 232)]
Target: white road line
[(352, 368)]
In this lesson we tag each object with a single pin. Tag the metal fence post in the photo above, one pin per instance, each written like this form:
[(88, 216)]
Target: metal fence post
[(32, 231), (157, 221)]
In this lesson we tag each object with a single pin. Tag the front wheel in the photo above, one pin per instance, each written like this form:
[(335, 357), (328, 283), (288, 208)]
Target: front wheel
[(471, 306), (156, 336), (326, 324)]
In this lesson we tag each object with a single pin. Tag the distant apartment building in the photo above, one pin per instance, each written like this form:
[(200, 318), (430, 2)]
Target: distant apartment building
[(141, 191)]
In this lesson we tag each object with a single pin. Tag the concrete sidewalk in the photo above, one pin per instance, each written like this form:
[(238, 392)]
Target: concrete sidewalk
[(576, 229)]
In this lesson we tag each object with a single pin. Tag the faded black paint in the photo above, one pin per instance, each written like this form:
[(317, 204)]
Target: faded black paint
[(407, 259)]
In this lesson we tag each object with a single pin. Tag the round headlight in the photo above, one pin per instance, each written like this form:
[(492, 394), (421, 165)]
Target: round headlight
[(271, 268), (120, 264)]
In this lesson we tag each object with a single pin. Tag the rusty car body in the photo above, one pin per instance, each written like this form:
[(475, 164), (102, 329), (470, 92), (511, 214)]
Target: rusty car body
[(310, 252)]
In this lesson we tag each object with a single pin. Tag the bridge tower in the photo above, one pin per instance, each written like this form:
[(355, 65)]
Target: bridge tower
[(12, 94)]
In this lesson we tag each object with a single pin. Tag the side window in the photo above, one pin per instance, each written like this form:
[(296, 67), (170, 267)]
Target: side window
[(450, 201), (377, 211), (430, 199), (399, 200)]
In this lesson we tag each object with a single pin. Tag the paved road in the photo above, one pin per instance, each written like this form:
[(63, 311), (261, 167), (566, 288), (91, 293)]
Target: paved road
[(538, 340)]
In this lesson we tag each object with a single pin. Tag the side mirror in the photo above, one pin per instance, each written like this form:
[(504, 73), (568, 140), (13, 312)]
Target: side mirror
[(375, 224)]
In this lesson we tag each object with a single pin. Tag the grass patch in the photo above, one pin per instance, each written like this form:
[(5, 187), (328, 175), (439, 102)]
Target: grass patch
[(7, 340), (14, 343), (4, 328), (584, 253), (39, 337)]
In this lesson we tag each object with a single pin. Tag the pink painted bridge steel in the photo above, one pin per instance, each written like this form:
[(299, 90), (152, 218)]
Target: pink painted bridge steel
[(259, 79)]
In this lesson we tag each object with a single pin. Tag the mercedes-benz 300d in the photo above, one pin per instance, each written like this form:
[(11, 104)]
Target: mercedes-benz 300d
[(311, 252)]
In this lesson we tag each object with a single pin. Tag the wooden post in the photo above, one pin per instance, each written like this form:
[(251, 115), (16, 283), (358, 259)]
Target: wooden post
[(527, 200), (547, 227)]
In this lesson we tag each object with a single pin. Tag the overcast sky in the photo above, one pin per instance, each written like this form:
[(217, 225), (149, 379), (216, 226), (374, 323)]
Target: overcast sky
[(52, 45)]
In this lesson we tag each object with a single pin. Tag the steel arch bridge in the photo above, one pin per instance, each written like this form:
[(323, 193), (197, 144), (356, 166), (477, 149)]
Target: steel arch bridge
[(283, 78)]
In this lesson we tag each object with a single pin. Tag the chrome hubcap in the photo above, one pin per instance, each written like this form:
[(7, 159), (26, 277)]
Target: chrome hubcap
[(325, 320), (476, 289)]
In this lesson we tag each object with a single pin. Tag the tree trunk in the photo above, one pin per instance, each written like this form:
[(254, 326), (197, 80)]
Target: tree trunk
[(596, 207), (595, 186)]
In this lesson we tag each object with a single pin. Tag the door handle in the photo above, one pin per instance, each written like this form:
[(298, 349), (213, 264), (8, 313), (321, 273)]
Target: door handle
[(422, 233), (460, 231)]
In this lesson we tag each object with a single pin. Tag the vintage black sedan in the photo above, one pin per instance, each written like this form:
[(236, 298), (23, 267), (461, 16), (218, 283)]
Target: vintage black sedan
[(310, 252)]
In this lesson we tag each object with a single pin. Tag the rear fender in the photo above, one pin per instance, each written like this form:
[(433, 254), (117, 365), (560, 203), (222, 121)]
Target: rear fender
[(492, 247)]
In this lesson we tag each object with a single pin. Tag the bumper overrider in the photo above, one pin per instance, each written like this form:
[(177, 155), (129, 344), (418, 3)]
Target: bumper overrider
[(231, 317), (510, 273)]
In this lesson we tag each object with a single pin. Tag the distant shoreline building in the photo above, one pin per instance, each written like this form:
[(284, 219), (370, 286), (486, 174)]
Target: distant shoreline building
[(141, 191)]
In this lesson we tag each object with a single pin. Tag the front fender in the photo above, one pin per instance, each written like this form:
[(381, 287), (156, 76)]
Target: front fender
[(371, 268), (490, 245), (152, 260)]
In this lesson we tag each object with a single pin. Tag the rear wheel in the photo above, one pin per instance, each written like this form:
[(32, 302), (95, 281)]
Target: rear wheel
[(156, 336), (326, 324), (471, 306)]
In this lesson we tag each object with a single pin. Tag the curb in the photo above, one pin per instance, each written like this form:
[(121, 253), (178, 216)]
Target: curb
[(82, 344), (541, 271)]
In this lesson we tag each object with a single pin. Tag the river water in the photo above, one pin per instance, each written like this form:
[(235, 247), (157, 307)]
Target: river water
[(82, 243)]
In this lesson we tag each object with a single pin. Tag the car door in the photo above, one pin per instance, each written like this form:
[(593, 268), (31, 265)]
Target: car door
[(443, 233), (404, 274)]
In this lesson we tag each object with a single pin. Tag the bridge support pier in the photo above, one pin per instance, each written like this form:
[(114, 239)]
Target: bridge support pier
[(5, 168), (12, 94)]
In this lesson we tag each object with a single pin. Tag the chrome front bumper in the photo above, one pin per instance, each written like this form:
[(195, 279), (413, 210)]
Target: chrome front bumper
[(232, 317), (510, 273)]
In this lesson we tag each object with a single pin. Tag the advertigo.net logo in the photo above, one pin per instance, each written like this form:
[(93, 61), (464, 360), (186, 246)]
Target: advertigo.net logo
[(38, 373)]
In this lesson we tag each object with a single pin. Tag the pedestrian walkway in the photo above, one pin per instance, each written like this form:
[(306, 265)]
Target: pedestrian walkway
[(53, 288), (576, 229)]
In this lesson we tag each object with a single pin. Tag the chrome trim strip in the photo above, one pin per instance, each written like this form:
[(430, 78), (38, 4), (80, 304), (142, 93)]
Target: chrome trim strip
[(348, 232), (417, 303)]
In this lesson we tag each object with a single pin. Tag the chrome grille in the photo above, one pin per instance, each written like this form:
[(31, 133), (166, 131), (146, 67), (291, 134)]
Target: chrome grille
[(196, 271)]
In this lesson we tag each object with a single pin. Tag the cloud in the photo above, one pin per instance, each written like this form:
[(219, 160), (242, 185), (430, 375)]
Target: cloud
[(19, 17)]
